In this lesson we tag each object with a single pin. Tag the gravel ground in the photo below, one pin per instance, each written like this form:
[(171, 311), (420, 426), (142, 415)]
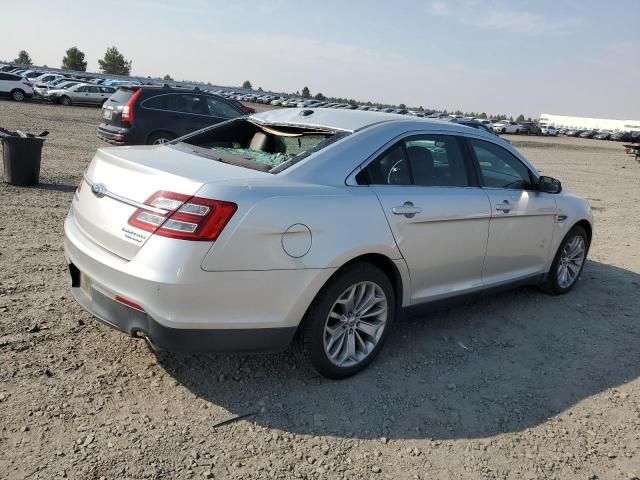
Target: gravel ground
[(515, 386)]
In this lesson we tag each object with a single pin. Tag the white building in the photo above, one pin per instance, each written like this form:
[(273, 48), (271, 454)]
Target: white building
[(584, 123)]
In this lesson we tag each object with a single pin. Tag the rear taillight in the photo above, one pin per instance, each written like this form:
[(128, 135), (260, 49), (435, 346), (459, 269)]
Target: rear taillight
[(184, 217), (129, 107), (28, 84), (247, 110)]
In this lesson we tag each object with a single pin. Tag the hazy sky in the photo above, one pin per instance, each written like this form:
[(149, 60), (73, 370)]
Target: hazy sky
[(574, 57)]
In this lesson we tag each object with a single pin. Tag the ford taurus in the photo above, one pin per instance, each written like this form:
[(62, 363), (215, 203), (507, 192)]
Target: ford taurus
[(316, 225)]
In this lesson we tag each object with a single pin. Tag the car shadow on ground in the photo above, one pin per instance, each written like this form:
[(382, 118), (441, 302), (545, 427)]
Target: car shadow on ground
[(498, 364)]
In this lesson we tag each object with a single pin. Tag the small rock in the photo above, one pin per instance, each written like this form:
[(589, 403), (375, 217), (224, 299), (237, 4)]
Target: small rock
[(451, 386), (376, 469), (384, 440), (207, 474)]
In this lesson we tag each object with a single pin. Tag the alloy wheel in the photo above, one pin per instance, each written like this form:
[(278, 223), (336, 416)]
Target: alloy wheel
[(571, 261), (355, 324)]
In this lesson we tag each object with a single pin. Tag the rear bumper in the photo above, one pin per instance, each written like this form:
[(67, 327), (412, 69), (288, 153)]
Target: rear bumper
[(116, 135), (185, 308), (136, 323)]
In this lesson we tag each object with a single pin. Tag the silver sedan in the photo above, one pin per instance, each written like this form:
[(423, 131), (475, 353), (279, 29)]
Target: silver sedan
[(312, 225), (80, 93)]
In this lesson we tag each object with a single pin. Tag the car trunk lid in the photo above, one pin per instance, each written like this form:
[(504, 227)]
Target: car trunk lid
[(120, 179)]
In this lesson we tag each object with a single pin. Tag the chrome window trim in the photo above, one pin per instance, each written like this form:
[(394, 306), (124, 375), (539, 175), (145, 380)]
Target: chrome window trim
[(350, 181)]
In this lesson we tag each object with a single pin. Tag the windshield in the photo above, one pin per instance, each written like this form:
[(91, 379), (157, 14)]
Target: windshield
[(266, 147)]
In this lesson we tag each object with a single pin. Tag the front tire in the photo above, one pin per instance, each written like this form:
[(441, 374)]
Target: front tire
[(64, 100), (348, 321), (18, 95), (568, 262)]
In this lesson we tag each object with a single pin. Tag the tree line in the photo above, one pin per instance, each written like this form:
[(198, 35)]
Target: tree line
[(113, 62)]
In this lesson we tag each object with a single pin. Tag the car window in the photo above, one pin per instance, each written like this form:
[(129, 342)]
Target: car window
[(93, 89), (436, 161), (159, 102), (499, 168), (391, 168), (186, 103), (107, 89), (425, 160), (220, 108), (81, 89)]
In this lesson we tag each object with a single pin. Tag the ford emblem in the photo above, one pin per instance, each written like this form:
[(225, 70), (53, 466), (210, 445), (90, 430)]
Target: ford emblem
[(99, 189)]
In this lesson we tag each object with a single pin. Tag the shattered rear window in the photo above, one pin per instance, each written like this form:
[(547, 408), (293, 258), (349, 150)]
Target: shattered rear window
[(265, 147)]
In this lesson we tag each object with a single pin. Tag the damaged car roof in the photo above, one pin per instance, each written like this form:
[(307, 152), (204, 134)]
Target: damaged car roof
[(347, 120)]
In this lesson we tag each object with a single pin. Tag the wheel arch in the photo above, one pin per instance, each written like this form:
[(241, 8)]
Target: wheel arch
[(156, 132), (587, 228), (388, 267)]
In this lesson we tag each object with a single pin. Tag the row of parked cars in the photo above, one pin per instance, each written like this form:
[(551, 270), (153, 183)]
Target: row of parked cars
[(604, 134), (20, 83), (74, 89)]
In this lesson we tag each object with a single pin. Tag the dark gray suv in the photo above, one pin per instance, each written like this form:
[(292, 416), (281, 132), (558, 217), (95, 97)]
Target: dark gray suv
[(148, 115)]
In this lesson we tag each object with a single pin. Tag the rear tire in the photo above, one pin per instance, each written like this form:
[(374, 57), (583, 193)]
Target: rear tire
[(348, 321), (160, 138), (18, 95), (64, 100), (568, 263)]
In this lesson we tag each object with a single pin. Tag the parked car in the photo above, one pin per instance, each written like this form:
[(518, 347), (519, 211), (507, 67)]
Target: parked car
[(15, 86), (603, 135), (588, 134), (530, 128), (46, 78), (7, 68), (573, 132), (621, 136), (549, 130), (156, 115), (30, 75), (242, 235), (242, 107), (506, 126), (79, 93), (41, 89)]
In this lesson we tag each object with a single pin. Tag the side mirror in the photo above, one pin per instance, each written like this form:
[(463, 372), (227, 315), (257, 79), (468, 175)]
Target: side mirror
[(549, 184)]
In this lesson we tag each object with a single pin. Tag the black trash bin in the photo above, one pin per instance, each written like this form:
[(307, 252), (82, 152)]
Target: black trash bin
[(21, 157)]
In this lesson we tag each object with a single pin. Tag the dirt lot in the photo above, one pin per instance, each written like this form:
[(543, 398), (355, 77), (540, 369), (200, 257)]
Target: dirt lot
[(515, 386)]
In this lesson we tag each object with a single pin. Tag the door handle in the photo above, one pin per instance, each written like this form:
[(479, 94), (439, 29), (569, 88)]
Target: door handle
[(505, 206), (408, 210)]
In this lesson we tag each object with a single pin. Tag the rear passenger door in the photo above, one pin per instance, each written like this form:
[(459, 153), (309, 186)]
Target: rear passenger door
[(438, 213), (96, 96)]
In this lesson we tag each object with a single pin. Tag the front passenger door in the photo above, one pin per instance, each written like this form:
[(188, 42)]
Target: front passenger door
[(437, 213), (522, 217)]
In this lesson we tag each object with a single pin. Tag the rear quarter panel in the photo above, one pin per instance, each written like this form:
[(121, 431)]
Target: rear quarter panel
[(344, 222)]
